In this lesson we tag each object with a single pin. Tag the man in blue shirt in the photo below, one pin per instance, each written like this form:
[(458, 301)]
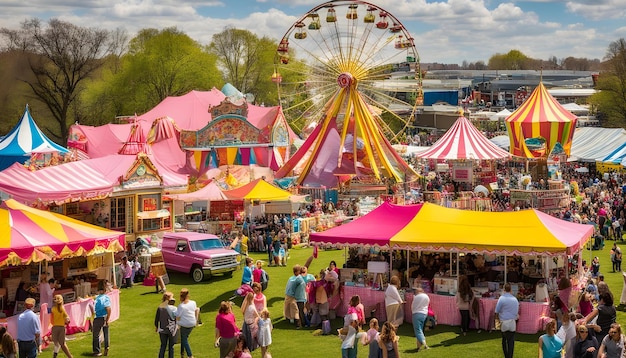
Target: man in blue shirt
[(102, 314), (507, 310), (28, 330)]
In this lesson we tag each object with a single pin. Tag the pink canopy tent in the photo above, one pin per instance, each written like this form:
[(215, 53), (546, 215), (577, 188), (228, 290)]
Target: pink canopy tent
[(209, 192), (80, 180), (463, 141), (32, 235), (367, 230)]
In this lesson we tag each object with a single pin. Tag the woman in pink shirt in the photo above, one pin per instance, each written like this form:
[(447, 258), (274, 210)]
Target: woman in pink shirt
[(226, 330)]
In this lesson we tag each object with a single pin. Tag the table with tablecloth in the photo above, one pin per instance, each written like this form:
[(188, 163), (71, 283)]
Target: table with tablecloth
[(531, 321), (79, 313), (373, 301)]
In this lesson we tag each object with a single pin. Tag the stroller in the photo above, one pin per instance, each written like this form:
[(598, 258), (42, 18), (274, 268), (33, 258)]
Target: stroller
[(242, 291)]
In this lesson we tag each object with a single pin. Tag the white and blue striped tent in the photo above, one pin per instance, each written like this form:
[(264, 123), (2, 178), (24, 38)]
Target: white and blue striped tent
[(618, 156), (23, 140)]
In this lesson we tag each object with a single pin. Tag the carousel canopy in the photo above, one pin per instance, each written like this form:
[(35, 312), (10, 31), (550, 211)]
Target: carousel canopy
[(31, 235), (432, 227), (463, 141), (24, 139), (540, 116)]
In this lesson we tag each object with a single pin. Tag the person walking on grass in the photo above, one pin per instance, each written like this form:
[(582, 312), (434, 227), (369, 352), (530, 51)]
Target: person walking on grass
[(102, 314), (28, 331), (507, 310), (165, 324), (59, 319), (187, 316)]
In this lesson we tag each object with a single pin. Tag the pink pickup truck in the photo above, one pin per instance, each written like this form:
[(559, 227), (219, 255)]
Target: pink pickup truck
[(198, 254)]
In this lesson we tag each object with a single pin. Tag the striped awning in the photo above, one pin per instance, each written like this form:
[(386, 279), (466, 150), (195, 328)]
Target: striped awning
[(540, 116), (463, 141)]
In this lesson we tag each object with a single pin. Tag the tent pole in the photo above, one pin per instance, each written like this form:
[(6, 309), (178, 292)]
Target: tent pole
[(113, 267), (406, 272), (458, 273), (505, 269)]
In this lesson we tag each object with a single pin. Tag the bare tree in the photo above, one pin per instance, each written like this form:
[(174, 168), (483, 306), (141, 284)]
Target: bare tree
[(61, 56)]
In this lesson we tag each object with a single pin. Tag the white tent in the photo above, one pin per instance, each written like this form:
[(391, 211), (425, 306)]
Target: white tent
[(595, 143), (502, 141), (501, 115), (575, 108)]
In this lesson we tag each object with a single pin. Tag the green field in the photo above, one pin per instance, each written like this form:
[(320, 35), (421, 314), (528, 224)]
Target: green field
[(133, 335)]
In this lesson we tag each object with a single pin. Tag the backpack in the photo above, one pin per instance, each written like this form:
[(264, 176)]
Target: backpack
[(265, 279)]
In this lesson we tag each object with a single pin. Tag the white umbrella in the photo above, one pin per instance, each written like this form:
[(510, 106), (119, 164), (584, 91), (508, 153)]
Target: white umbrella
[(481, 189)]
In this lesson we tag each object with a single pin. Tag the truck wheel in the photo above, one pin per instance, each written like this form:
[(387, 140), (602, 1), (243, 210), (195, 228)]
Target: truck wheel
[(229, 274), (197, 275)]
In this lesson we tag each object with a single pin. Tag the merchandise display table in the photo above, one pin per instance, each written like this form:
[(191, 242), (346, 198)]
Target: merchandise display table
[(371, 300), (531, 321), (79, 313)]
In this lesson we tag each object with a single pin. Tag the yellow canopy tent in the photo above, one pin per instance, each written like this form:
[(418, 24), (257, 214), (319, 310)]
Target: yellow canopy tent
[(528, 232), (260, 190)]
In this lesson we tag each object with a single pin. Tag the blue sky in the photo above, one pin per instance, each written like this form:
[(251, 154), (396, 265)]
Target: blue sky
[(445, 31)]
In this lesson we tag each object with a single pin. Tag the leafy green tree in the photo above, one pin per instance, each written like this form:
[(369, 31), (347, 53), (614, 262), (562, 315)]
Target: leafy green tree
[(611, 98), (61, 56), (246, 61), (513, 60), (158, 64)]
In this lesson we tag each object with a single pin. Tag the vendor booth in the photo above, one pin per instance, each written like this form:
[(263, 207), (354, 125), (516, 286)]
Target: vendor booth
[(37, 245), (525, 248)]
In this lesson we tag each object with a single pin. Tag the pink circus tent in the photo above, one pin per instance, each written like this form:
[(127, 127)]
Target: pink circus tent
[(367, 230), (463, 141)]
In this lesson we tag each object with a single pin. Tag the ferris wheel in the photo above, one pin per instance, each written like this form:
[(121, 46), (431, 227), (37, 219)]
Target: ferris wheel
[(355, 44)]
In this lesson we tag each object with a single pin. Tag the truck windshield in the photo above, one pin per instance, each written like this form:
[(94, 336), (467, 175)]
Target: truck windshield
[(206, 244)]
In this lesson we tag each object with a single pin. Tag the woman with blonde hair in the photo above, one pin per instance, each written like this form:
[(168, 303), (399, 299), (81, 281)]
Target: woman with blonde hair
[(394, 302), (165, 324), (250, 321), (612, 345), (550, 345), (187, 316), (59, 319), (388, 341)]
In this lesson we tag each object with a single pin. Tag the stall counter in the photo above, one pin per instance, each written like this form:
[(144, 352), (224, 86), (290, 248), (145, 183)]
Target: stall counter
[(79, 313), (532, 314)]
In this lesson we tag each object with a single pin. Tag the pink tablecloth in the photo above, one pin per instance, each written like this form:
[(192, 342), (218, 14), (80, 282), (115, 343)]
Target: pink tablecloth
[(371, 300), (531, 320), (79, 313)]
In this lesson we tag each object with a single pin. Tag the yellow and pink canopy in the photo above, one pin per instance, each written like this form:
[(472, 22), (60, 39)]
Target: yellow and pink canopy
[(431, 227), (32, 235), (258, 189), (540, 116)]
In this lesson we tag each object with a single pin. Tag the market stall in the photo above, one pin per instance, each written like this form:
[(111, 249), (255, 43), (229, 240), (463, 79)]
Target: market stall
[(494, 239), (36, 244)]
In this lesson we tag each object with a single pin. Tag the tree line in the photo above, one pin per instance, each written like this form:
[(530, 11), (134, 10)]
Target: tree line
[(69, 73)]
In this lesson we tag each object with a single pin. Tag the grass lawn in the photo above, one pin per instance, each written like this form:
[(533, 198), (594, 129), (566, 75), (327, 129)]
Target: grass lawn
[(133, 335)]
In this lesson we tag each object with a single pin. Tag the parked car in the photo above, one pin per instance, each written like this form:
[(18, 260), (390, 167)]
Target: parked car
[(198, 254)]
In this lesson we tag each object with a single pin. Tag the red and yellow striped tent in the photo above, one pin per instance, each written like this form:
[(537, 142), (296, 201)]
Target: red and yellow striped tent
[(540, 116)]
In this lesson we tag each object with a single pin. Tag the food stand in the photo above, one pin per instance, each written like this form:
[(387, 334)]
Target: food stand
[(534, 237), (40, 244)]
